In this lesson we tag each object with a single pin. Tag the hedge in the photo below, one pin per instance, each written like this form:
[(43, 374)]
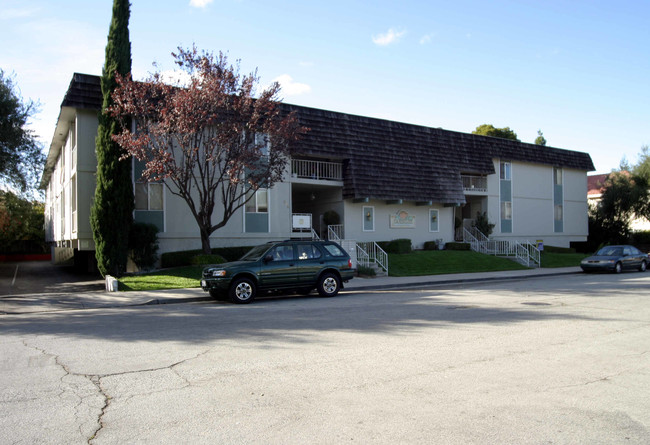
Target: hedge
[(402, 245), (184, 257), (457, 246)]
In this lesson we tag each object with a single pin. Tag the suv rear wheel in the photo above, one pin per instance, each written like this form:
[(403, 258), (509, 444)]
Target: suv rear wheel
[(242, 291), (328, 285)]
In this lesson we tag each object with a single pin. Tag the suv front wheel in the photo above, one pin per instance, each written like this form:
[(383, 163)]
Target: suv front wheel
[(328, 285), (242, 290)]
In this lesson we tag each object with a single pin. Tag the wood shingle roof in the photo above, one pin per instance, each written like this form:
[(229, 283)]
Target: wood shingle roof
[(389, 160), (394, 160)]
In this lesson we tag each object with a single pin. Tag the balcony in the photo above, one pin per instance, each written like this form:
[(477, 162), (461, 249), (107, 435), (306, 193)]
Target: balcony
[(472, 183), (317, 170)]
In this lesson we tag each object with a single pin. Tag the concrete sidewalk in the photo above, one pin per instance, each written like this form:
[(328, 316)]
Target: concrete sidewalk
[(51, 302)]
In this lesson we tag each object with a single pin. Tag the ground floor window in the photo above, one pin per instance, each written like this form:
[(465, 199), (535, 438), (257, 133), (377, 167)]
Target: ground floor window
[(368, 219), (257, 211), (434, 220)]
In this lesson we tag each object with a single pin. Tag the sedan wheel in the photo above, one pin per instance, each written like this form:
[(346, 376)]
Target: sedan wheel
[(643, 266), (328, 285), (242, 291), (618, 268)]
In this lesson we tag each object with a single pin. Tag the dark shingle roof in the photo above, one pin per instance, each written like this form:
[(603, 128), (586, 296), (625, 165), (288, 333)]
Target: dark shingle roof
[(84, 92), (393, 160), (385, 159)]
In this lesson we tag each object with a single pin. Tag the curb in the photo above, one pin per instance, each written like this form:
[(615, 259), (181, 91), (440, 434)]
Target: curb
[(460, 281)]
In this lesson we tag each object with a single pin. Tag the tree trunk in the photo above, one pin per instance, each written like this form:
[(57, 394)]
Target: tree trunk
[(205, 242)]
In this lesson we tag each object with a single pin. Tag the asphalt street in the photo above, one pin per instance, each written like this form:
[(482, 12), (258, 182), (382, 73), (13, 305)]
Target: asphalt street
[(558, 360)]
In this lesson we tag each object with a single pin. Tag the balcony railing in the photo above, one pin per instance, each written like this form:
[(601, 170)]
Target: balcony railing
[(473, 183), (308, 169)]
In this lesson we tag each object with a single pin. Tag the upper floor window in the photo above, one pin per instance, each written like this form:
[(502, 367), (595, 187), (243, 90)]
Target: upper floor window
[(505, 171), (557, 176)]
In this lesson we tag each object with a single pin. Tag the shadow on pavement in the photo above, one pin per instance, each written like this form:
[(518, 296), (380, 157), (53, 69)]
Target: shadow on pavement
[(35, 277)]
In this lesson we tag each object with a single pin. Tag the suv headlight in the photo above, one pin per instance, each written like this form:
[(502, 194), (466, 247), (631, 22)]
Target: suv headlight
[(218, 273)]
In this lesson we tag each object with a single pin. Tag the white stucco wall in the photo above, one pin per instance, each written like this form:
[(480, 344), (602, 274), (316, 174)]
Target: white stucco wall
[(354, 219), (533, 205)]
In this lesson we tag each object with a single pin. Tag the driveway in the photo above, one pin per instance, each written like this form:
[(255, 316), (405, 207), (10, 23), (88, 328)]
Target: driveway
[(42, 277)]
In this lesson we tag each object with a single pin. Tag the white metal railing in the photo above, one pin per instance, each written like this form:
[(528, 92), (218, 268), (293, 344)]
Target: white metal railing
[(335, 232), (330, 171), (314, 235), (525, 253), (374, 253), (474, 183)]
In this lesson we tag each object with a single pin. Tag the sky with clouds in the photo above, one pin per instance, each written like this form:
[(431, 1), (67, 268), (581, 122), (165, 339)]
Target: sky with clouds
[(576, 70)]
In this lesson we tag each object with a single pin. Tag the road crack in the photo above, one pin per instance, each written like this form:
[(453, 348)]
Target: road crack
[(96, 380)]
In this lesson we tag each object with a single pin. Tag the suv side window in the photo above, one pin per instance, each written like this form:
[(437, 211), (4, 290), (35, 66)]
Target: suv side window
[(308, 251), (334, 250), (282, 253)]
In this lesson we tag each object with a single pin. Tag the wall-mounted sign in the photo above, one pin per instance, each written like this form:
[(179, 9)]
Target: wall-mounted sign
[(301, 221), (402, 220)]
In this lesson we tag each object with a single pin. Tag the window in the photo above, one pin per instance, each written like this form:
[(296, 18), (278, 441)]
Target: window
[(258, 202), (308, 251), (333, 250), (256, 211), (262, 140), (505, 190), (433, 220), (149, 201), (282, 253), (506, 210), (505, 171), (558, 201), (368, 219), (73, 202), (148, 196)]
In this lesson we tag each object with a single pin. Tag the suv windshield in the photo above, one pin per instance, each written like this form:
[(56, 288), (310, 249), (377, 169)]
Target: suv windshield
[(255, 253)]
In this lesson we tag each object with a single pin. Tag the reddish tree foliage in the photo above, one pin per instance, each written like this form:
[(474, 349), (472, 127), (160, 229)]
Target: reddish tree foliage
[(209, 139)]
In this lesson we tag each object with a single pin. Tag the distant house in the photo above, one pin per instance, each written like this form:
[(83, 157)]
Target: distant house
[(596, 185), (386, 180)]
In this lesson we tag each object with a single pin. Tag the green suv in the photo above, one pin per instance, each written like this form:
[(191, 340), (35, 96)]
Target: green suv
[(280, 266)]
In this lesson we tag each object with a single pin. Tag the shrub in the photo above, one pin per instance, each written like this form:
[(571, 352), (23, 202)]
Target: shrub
[(184, 257), (554, 249), (143, 245), (231, 253), (457, 246), (402, 245), (367, 271), (202, 260), (483, 224), (431, 245), (177, 259), (331, 218)]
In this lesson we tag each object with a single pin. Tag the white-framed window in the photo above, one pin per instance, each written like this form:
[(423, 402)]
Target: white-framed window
[(368, 219), (506, 210), (256, 211), (557, 176), (505, 171), (434, 220), (73, 202), (148, 196)]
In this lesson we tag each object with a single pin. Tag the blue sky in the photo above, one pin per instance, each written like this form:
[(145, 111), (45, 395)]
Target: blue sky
[(577, 70)]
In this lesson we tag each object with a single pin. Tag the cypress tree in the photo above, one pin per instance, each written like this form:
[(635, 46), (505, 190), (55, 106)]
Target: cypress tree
[(111, 214)]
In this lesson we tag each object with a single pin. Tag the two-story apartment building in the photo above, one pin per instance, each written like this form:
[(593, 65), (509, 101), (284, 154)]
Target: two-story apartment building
[(385, 180)]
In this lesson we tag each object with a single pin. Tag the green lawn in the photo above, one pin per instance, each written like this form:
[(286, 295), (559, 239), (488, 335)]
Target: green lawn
[(424, 262), (434, 262), (174, 278), (561, 259)]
